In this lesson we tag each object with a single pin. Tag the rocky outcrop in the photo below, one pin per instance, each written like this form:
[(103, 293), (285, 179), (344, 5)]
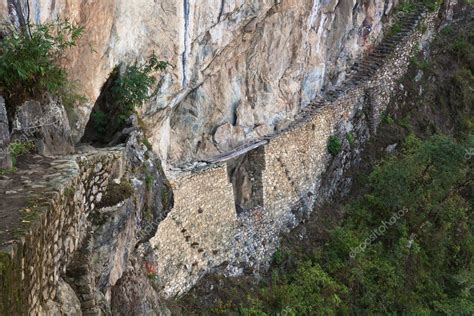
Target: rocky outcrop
[(84, 224), (228, 215), (5, 159), (100, 220), (246, 65), (45, 123)]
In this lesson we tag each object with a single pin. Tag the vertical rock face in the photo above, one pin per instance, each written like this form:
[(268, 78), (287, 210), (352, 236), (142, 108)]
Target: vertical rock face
[(45, 123), (5, 161), (244, 63)]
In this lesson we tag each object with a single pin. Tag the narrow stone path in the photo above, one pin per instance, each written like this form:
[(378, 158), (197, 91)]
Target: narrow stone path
[(359, 74), (38, 178), (35, 180), (365, 69)]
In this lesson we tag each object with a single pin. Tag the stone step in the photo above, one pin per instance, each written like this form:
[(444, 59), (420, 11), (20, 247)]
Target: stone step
[(362, 71)]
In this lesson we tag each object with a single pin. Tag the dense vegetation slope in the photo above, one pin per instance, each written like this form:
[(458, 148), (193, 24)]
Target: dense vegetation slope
[(403, 241)]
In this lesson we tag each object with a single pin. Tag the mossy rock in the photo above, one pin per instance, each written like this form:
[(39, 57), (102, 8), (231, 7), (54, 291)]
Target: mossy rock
[(115, 194)]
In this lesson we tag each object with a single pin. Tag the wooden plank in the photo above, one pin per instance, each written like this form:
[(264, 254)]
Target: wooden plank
[(239, 151)]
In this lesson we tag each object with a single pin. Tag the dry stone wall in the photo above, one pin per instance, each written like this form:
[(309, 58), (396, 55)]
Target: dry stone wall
[(53, 228), (268, 57), (195, 237), (292, 164)]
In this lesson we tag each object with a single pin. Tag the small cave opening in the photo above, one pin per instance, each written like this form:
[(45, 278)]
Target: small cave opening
[(245, 174), (107, 119)]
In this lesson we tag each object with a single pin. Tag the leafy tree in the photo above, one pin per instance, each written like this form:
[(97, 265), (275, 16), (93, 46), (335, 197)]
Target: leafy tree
[(334, 145), (31, 57), (421, 264), (134, 85)]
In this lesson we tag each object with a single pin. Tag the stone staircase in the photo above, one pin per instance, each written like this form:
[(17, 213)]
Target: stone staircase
[(361, 72), (365, 69)]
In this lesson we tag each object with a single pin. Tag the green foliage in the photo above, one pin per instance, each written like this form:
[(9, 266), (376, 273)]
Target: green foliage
[(405, 123), (334, 145), (432, 5), (395, 29), (421, 264), (407, 6), (4, 171), (461, 48), (116, 193), (19, 148), (387, 119), (149, 181), (147, 144), (133, 86), (421, 64), (165, 198), (350, 138), (454, 69), (422, 27), (30, 59), (153, 277), (278, 256), (99, 121), (307, 291)]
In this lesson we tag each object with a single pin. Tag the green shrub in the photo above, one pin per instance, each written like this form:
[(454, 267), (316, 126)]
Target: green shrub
[(147, 144), (395, 29), (30, 59), (19, 148), (422, 27), (153, 276), (350, 138), (99, 121), (4, 171), (432, 5), (135, 84), (387, 119), (407, 6), (165, 198), (149, 181), (116, 193), (278, 257), (421, 64), (334, 145)]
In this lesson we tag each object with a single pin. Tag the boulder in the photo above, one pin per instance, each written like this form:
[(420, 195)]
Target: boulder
[(45, 123), (67, 302), (228, 136), (5, 159), (328, 6)]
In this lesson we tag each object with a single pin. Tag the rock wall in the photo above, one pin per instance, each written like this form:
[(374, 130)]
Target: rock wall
[(200, 226), (241, 68), (5, 159), (51, 230), (292, 164), (75, 230)]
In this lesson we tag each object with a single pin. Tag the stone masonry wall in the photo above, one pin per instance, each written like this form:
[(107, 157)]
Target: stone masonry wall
[(203, 233), (30, 267), (296, 159), (196, 235)]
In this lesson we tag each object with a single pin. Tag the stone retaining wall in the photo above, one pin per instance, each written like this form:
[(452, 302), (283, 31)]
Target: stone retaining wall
[(291, 167), (53, 229), (196, 235)]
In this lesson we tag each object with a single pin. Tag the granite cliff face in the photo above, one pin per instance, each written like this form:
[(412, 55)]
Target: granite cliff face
[(241, 68)]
